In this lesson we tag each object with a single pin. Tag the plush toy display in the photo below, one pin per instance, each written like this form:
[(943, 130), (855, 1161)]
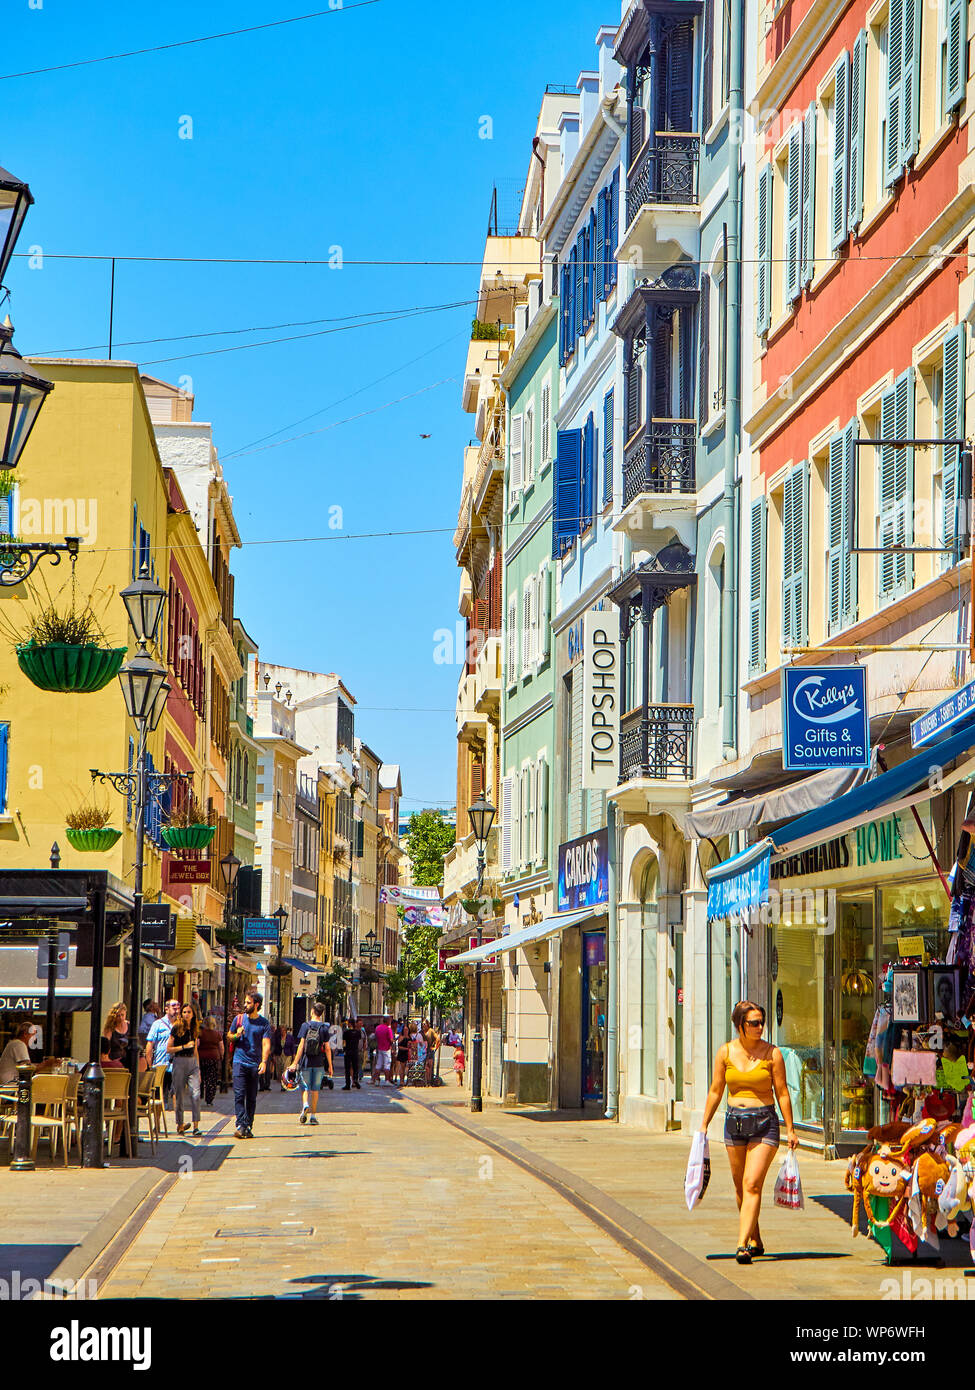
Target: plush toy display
[(898, 1179)]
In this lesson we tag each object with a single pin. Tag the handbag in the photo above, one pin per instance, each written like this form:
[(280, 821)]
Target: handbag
[(698, 1173), (913, 1068)]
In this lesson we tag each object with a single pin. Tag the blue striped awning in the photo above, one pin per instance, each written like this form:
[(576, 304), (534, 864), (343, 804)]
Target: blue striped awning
[(741, 882)]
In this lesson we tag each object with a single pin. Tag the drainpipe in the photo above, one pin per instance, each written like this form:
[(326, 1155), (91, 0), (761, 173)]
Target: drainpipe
[(612, 962), (729, 597)]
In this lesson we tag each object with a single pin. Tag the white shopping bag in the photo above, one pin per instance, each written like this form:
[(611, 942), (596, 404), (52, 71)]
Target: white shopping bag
[(698, 1171), (788, 1185)]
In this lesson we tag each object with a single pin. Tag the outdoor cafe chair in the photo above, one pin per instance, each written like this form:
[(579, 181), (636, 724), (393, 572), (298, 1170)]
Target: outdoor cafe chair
[(50, 1094), (115, 1106), (74, 1105), (158, 1101), (145, 1106)]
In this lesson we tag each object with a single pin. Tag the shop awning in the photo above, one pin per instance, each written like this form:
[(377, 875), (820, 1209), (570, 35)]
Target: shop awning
[(911, 782), (198, 957), (783, 803), (548, 926), (741, 882), (304, 966)]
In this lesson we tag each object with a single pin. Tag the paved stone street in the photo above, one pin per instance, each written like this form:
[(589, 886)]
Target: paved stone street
[(381, 1200)]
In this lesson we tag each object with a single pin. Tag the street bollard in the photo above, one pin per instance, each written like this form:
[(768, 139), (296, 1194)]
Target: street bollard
[(21, 1162), (93, 1128)]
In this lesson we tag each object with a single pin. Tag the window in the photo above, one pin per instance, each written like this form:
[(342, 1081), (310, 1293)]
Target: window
[(883, 43), (517, 471), (527, 627), (546, 424), (763, 289), (895, 487), (902, 89), (841, 564), (7, 509), (567, 499), (839, 153), (953, 426), (795, 544), (588, 483), (528, 446), (954, 54), (511, 657), (607, 448), (756, 586)]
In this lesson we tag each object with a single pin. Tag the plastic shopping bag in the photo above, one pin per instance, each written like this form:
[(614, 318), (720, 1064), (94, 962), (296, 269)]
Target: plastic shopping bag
[(698, 1171), (788, 1185)]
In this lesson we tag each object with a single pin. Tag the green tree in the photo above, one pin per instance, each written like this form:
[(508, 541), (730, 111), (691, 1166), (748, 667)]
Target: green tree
[(429, 837), (332, 988), (441, 991), (396, 986)]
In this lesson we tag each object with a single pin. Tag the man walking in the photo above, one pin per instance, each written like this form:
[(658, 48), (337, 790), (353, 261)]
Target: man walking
[(351, 1043), (251, 1036), (313, 1056), (384, 1052), (157, 1044)]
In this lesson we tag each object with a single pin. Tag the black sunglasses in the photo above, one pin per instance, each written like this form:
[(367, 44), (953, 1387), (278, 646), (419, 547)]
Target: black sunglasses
[(754, 1023)]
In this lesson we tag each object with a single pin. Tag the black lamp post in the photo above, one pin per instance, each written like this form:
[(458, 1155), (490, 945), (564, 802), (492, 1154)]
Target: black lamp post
[(15, 199), (229, 868), (22, 393), (481, 814), (281, 917)]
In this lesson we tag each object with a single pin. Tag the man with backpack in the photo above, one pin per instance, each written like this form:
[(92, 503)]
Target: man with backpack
[(314, 1055)]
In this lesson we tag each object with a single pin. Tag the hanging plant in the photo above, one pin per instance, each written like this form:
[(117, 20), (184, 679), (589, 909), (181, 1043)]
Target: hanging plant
[(188, 827), (88, 829), (61, 645)]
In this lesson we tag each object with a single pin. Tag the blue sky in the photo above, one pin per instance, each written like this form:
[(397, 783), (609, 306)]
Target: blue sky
[(357, 130)]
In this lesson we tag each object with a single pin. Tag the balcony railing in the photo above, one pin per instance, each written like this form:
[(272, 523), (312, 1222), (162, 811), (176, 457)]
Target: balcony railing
[(657, 741), (660, 459), (665, 171)]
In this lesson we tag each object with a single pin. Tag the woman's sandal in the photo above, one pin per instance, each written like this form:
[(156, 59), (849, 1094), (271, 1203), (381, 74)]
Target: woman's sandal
[(743, 1255), (756, 1247)]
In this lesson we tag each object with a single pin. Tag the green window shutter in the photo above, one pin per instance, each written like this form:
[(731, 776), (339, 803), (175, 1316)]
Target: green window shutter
[(895, 486), (841, 562), (809, 195), (911, 82), (858, 102), (795, 541), (850, 606), (893, 164), (953, 427), (839, 154), (763, 295), (756, 586), (956, 52), (793, 215)]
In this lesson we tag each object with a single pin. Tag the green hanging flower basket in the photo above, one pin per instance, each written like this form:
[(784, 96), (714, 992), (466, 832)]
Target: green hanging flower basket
[(188, 836), (68, 669), (93, 841)]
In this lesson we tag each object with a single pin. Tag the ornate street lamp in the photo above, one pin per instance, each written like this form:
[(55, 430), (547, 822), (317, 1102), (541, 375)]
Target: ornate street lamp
[(277, 967), (142, 681), (22, 393), (481, 815), (229, 869), (15, 199), (144, 600)]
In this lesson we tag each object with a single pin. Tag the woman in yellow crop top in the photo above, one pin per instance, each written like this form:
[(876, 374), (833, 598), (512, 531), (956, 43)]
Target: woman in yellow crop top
[(754, 1074)]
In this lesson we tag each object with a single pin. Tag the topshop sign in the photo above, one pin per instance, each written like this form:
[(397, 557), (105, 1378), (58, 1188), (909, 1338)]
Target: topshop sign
[(601, 700)]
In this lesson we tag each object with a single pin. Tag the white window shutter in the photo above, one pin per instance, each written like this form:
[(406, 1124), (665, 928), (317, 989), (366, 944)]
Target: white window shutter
[(512, 636), (546, 429), (506, 823), (517, 429), (545, 620), (532, 811), (528, 446), (526, 627), (542, 814)]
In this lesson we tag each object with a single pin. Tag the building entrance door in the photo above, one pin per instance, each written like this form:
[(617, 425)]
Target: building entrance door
[(593, 1014)]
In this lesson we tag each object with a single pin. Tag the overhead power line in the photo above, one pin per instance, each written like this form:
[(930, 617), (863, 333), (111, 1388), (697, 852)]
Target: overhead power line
[(339, 8)]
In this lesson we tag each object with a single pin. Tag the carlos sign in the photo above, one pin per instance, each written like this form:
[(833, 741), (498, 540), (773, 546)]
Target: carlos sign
[(825, 722)]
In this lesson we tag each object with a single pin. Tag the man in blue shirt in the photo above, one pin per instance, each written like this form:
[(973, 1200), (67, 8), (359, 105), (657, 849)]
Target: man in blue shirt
[(251, 1037), (156, 1040)]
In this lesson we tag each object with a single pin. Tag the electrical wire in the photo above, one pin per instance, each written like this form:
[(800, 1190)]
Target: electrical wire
[(186, 43)]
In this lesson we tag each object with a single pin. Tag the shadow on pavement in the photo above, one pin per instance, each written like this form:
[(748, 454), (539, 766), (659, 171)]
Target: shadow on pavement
[(790, 1255), (21, 1262), (340, 1287)]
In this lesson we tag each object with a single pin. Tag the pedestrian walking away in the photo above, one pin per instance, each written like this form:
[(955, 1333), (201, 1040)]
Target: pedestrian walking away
[(402, 1052), (351, 1042), (432, 1039), (210, 1053), (384, 1052), (460, 1062), (251, 1037), (182, 1047), (150, 1012), (754, 1073), (157, 1044), (312, 1060)]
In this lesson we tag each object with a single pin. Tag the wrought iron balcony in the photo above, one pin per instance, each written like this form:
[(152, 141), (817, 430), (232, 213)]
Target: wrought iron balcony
[(665, 171), (656, 741), (660, 459)]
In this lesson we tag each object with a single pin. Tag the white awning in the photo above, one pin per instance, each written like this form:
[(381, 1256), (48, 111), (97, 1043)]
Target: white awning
[(548, 926), (198, 957)]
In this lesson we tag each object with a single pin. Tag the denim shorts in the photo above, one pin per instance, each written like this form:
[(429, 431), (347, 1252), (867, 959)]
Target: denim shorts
[(747, 1125), (310, 1078)]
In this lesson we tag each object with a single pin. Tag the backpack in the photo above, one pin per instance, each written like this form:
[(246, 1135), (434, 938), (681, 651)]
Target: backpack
[(313, 1038)]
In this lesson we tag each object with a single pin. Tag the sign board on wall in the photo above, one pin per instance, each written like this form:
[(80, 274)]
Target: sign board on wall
[(189, 871), (158, 925), (261, 931), (825, 720), (959, 706), (601, 699), (584, 871), (473, 944)]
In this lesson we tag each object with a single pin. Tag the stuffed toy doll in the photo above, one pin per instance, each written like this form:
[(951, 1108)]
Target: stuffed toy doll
[(885, 1179), (964, 1147)]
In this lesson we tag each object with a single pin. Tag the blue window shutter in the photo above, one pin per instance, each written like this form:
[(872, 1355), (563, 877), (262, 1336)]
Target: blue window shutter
[(567, 501), (129, 799), (563, 308), (911, 82), (956, 53), (893, 164), (704, 335), (588, 470), (756, 586), (795, 546), (608, 406), (809, 195), (763, 293), (953, 427), (579, 313), (858, 120), (600, 254), (573, 321), (614, 226), (793, 216), (896, 485), (851, 453), (4, 743), (591, 239), (839, 155), (841, 562)]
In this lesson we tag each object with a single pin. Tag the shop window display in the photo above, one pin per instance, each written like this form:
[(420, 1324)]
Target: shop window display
[(798, 988)]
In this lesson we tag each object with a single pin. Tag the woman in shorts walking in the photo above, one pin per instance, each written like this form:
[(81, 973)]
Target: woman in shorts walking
[(754, 1073)]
